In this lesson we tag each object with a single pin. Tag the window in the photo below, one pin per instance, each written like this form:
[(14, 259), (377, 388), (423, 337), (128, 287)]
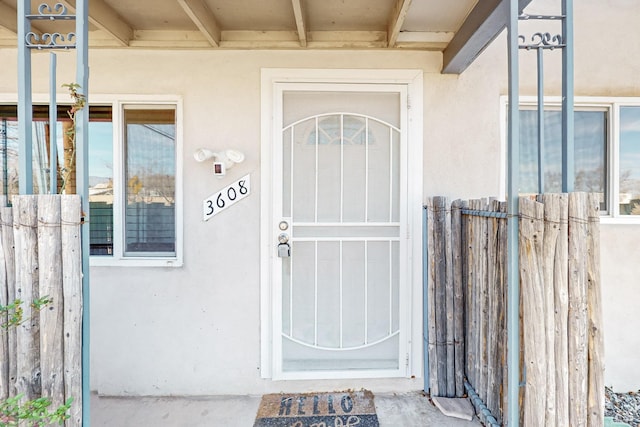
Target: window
[(150, 172), (133, 165), (606, 152), (99, 123), (590, 152), (629, 161)]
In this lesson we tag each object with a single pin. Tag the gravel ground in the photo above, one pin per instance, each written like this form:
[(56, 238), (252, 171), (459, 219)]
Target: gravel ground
[(623, 407)]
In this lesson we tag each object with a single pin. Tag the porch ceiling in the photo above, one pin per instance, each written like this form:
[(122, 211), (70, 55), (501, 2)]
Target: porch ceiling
[(275, 24)]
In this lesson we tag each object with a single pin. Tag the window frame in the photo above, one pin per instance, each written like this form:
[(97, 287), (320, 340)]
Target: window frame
[(124, 196), (612, 107), (119, 258), (118, 103)]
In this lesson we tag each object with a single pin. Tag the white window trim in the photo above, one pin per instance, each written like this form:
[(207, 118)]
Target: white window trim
[(118, 258), (117, 102), (612, 106)]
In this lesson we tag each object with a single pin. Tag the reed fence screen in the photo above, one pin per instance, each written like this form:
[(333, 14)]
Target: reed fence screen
[(561, 342), (40, 256)]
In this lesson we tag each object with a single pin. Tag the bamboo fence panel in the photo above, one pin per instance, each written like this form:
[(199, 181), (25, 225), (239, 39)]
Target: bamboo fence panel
[(8, 249), (468, 223), (25, 223), (595, 406), (458, 289), (431, 298), (481, 313), (4, 318), (474, 296), (551, 206), (560, 307), (501, 336), (561, 318), (450, 299), (41, 257), (438, 343), (578, 320), (72, 291), (50, 282), (533, 314), (440, 283), (492, 315)]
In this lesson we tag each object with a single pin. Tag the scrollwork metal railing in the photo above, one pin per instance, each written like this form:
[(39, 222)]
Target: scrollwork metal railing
[(53, 40)]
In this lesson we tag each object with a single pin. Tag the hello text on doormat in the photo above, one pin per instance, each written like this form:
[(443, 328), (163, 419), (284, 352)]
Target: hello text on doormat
[(336, 409)]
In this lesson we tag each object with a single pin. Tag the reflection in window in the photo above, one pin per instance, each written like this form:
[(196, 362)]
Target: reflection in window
[(150, 170), (589, 152), (330, 131), (101, 187), (629, 175), (100, 163)]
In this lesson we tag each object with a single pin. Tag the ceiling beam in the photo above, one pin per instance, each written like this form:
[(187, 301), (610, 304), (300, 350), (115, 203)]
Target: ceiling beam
[(300, 22), (487, 19), (400, 10), (8, 18), (423, 40), (104, 17), (204, 19)]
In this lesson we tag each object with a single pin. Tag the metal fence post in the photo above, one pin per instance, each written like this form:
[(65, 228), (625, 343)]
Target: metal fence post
[(82, 165), (568, 171), (513, 274), (25, 107)]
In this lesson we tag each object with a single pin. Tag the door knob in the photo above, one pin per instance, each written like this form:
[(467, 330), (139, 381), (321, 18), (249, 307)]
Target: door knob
[(283, 238)]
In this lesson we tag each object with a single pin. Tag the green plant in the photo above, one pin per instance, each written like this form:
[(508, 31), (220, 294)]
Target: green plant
[(79, 102), (15, 311), (32, 413)]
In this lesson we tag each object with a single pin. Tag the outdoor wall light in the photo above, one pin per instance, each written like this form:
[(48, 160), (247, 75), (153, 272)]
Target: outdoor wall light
[(222, 160)]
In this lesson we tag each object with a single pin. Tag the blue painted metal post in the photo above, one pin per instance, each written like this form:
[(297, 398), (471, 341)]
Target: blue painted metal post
[(53, 127), (568, 171), (25, 112), (5, 161), (513, 274), (540, 120), (82, 186)]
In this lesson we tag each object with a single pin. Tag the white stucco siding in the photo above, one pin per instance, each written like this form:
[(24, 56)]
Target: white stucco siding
[(462, 111), (195, 329), (621, 296)]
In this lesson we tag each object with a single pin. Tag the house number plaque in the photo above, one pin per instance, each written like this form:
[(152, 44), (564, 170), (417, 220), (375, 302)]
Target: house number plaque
[(226, 197)]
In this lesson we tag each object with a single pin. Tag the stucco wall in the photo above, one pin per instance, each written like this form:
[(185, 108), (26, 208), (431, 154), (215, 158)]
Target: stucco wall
[(196, 329)]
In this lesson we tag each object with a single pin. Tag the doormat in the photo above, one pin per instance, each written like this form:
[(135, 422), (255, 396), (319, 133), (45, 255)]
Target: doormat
[(336, 409)]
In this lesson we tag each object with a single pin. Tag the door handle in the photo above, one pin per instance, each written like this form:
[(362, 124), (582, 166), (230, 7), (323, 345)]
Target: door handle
[(284, 249)]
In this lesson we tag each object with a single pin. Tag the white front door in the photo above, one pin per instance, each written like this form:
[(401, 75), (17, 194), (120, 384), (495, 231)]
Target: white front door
[(339, 231)]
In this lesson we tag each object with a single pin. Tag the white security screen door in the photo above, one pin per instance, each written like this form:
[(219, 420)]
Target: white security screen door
[(339, 217)]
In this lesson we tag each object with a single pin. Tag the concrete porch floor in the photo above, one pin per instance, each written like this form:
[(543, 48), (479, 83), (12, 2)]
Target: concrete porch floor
[(393, 409)]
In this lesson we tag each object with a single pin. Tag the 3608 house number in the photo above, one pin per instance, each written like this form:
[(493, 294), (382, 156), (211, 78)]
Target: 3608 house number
[(226, 197)]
